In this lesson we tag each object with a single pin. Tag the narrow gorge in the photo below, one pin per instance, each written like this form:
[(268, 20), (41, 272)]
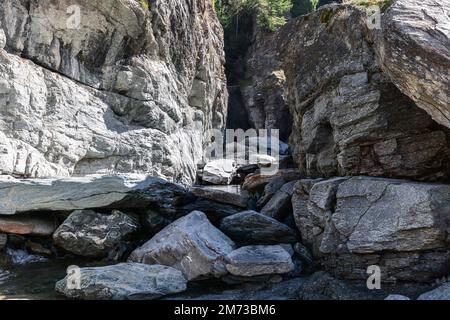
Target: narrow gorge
[(162, 150)]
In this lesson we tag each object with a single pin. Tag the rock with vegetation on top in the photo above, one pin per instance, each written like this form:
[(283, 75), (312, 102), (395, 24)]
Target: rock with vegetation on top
[(92, 234), (191, 244), (124, 281)]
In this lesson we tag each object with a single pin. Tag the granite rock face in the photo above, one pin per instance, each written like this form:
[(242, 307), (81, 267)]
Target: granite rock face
[(91, 234), (124, 281), (348, 117), (109, 87), (414, 50), (352, 223), (191, 244)]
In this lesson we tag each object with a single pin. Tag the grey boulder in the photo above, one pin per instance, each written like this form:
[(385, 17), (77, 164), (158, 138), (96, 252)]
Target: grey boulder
[(232, 195), (251, 227), (253, 261), (191, 244), (124, 281), (91, 234), (440, 293), (399, 225)]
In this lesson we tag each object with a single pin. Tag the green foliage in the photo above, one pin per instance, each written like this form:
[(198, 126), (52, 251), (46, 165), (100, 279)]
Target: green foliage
[(145, 4), (270, 14), (314, 4), (383, 4)]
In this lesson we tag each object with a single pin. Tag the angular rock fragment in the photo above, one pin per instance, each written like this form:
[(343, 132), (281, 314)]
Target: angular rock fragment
[(124, 281), (219, 172), (250, 227), (229, 195), (257, 181), (279, 206), (91, 234), (259, 260), (191, 244)]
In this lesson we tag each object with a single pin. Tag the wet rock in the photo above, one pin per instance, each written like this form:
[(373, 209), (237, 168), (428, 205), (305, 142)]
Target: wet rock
[(414, 52), (250, 227), (440, 293), (28, 225), (68, 194), (259, 260), (191, 244), (91, 234), (398, 225), (279, 206), (318, 286), (124, 281), (232, 195)]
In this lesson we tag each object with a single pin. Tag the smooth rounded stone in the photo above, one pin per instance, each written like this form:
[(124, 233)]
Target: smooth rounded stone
[(91, 234), (124, 281), (251, 227), (28, 225), (219, 172), (233, 195), (396, 297), (440, 293), (191, 244), (253, 261)]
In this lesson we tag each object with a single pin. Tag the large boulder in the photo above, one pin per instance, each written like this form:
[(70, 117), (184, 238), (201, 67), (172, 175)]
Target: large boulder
[(124, 281), (352, 223), (348, 116), (191, 244), (91, 234), (254, 261), (413, 47), (68, 194), (251, 227), (117, 87), (232, 195)]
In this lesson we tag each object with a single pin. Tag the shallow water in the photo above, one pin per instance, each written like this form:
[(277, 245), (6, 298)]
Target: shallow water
[(32, 277)]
